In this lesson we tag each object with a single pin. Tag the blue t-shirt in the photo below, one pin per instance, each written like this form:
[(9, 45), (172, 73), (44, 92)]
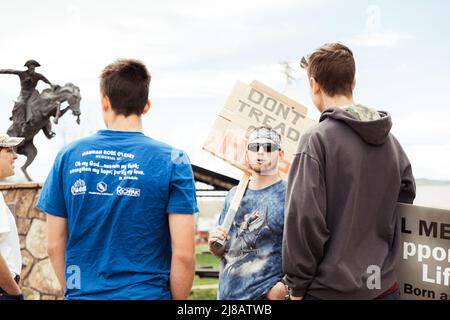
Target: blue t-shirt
[(251, 264), (116, 189)]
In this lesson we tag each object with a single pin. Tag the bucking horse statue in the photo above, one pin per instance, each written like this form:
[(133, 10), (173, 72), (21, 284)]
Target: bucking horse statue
[(40, 108)]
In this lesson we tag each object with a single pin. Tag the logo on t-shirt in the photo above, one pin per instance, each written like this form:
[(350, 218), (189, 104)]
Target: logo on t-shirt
[(130, 192), (102, 187), (79, 187)]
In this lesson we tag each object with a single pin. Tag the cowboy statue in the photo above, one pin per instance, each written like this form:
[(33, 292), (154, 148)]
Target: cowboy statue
[(32, 110), (28, 82)]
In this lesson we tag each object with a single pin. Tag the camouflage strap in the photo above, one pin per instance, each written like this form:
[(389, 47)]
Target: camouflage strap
[(362, 113)]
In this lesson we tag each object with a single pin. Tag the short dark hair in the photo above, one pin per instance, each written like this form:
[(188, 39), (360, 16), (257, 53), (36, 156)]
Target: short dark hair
[(126, 83), (333, 67)]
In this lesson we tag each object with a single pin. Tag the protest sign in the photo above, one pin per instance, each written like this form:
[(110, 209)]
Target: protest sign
[(424, 268), (255, 105)]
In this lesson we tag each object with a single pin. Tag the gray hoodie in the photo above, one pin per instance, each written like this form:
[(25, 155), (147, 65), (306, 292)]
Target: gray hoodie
[(341, 217)]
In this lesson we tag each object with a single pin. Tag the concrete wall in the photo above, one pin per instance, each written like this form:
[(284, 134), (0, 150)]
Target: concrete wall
[(38, 280)]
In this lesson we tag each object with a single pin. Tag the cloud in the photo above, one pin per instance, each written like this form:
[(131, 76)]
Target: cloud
[(374, 35), (430, 161), (425, 137), (209, 82), (74, 41), (378, 39)]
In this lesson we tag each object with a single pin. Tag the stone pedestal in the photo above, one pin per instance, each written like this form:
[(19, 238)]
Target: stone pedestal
[(38, 280)]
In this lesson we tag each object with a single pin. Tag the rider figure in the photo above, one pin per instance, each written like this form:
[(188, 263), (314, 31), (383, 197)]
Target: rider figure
[(28, 82)]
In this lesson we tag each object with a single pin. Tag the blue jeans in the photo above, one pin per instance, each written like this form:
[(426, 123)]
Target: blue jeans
[(393, 296), (11, 297)]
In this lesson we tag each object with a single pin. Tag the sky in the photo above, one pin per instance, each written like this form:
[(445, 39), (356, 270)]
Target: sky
[(197, 50)]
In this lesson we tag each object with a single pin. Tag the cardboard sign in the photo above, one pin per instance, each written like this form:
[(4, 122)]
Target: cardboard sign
[(255, 105), (424, 268), (234, 207)]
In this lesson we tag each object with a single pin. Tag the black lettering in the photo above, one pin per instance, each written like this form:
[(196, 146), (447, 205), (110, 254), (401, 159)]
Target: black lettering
[(243, 105), (259, 95), (404, 230), (267, 120), (282, 108), (445, 231), (427, 230), (407, 288), (270, 108), (297, 116), (293, 134), (257, 113), (281, 128)]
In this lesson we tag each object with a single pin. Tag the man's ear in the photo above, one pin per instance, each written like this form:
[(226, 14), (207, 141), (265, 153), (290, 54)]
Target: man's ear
[(246, 162), (281, 153), (147, 107), (353, 84), (106, 104), (315, 87)]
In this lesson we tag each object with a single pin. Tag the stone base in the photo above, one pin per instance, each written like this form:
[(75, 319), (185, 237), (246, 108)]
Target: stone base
[(38, 280)]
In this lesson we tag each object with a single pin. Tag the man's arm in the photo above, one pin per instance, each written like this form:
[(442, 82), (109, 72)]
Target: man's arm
[(219, 233), (41, 77), (306, 231), (408, 187), (57, 242), (7, 282), (9, 71), (182, 270)]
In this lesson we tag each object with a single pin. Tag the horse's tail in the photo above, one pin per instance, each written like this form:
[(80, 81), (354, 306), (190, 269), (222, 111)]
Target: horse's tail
[(20, 130)]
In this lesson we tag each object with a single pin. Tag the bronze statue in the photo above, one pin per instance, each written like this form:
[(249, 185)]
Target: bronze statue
[(32, 111), (28, 82)]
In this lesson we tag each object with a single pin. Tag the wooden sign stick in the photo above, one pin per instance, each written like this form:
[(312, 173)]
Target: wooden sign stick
[(233, 208)]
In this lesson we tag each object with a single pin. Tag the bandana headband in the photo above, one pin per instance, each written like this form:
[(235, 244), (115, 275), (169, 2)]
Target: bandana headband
[(265, 133)]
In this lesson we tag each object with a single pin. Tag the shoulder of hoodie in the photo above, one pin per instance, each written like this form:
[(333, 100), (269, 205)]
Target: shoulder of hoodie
[(313, 140), (164, 148)]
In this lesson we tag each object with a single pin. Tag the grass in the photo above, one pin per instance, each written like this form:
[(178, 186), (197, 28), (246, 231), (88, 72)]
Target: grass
[(199, 248), (203, 294), (204, 281), (203, 258), (207, 259)]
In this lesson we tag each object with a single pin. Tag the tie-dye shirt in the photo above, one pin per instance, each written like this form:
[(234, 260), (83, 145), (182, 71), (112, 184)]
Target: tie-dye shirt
[(251, 264)]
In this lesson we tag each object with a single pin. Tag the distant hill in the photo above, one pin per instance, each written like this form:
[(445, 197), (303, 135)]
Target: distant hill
[(428, 182)]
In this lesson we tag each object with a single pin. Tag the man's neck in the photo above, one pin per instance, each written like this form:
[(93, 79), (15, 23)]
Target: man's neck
[(122, 123), (337, 102), (259, 181)]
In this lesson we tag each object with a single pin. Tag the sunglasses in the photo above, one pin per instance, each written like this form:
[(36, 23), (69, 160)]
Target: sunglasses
[(267, 147)]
